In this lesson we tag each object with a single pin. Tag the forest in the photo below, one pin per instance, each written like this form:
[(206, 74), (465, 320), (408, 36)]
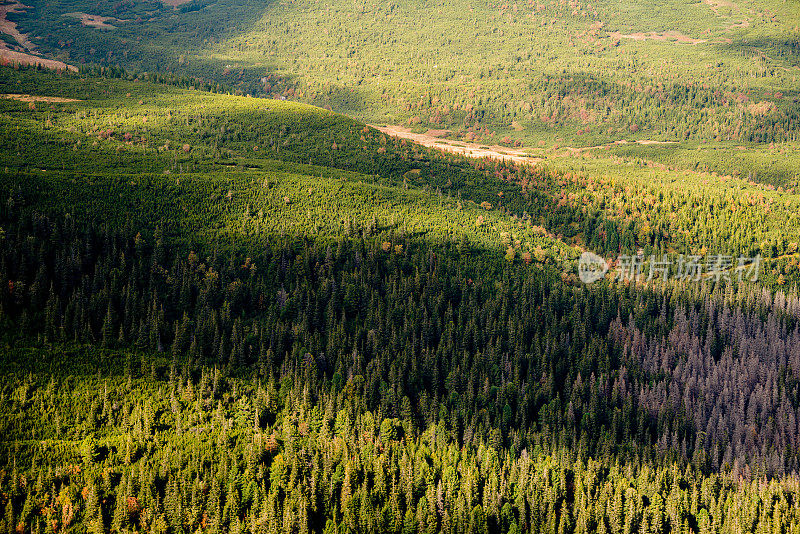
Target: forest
[(316, 267), (223, 313), (542, 73)]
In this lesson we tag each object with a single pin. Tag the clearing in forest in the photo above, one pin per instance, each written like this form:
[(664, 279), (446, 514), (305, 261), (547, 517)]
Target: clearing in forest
[(95, 21), (37, 98), (430, 139), (11, 57), (666, 36), (175, 3), (20, 57), (10, 28)]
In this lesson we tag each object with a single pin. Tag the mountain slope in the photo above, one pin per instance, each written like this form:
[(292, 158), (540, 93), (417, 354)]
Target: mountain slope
[(230, 314), (588, 72)]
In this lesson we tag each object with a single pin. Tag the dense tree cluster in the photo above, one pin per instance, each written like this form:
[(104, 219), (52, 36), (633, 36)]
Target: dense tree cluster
[(279, 320), (346, 385)]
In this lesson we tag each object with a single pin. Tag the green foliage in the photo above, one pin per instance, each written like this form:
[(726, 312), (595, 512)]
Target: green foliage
[(585, 72), (229, 314), (89, 450)]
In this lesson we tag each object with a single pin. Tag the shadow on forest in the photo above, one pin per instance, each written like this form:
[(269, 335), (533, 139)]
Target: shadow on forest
[(786, 49)]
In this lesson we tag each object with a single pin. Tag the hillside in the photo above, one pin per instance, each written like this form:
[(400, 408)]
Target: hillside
[(241, 167), (556, 71), (231, 314), (251, 168)]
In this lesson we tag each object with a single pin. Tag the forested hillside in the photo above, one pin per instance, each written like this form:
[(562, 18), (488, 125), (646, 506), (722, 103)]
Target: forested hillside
[(555, 71), (346, 389), (718, 81), (232, 314), (249, 168)]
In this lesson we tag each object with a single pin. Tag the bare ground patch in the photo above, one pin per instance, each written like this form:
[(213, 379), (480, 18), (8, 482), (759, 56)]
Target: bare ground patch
[(21, 56), (95, 21), (438, 133), (36, 98), (571, 151), (471, 150), (666, 36), (716, 4), (474, 150), (11, 57), (175, 3), (652, 142), (10, 28)]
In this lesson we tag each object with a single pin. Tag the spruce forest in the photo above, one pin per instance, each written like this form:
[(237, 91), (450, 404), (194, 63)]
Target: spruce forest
[(285, 266)]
